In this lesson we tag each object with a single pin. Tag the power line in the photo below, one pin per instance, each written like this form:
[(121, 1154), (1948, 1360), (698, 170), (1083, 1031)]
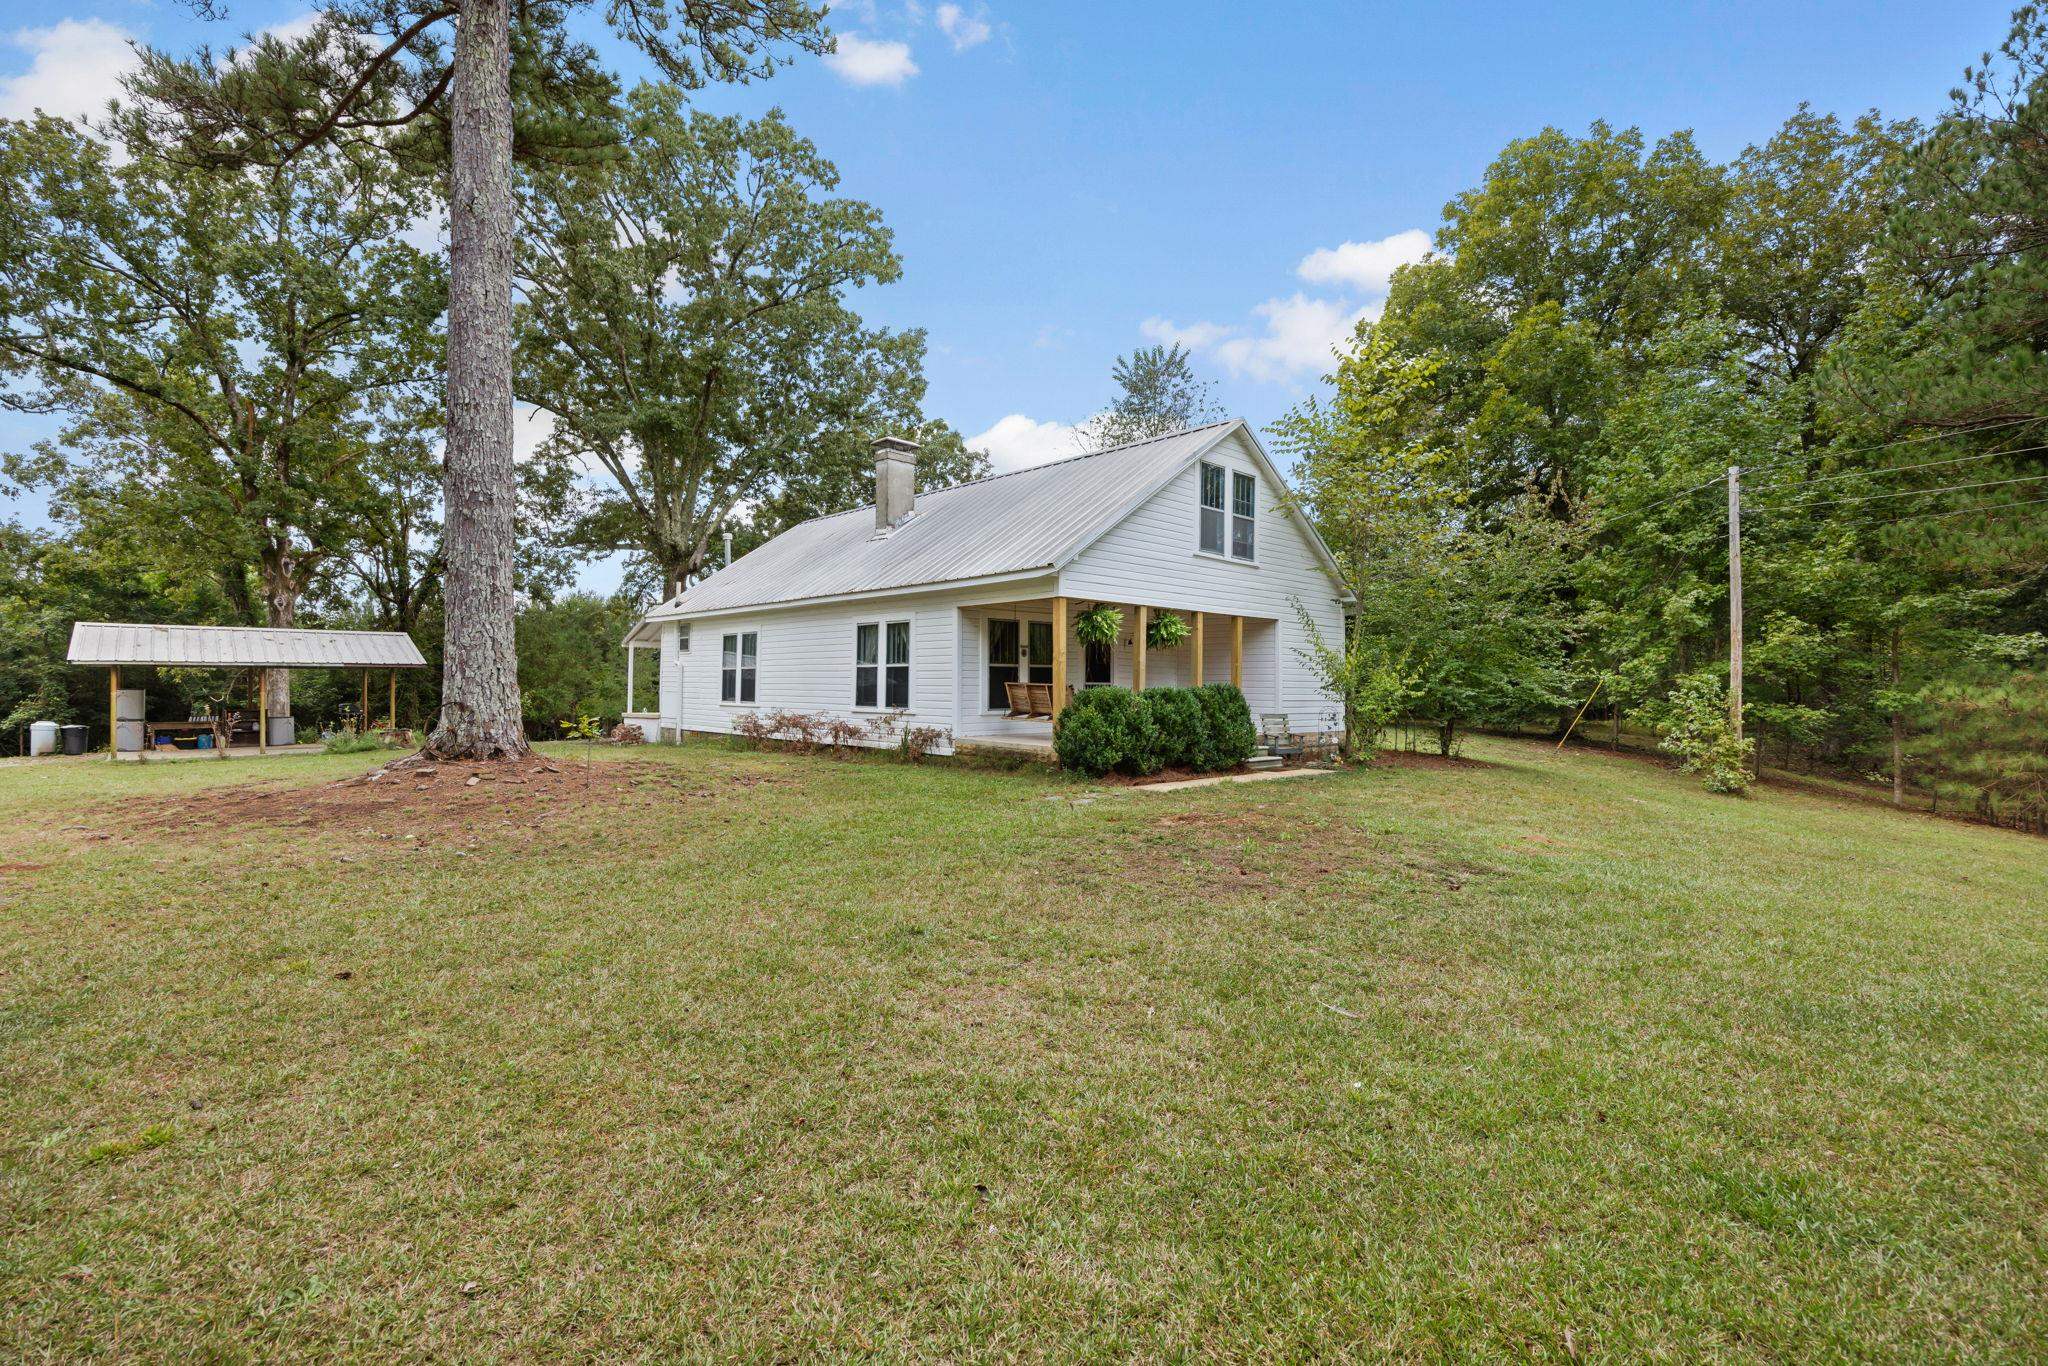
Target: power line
[(1906, 493), (1829, 453), (1715, 480), (1921, 440), (1948, 512), (1897, 469)]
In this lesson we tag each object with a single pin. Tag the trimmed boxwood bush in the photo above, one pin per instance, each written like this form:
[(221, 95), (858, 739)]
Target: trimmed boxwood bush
[(1183, 726), (1232, 736), (1104, 729), (1207, 729)]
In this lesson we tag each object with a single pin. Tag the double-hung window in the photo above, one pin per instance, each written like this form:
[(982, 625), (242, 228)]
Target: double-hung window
[(739, 660), (1212, 508), (867, 664), (881, 664), (1244, 504)]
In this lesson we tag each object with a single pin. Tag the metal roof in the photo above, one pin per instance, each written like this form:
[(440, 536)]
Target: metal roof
[(1006, 524), (240, 647)]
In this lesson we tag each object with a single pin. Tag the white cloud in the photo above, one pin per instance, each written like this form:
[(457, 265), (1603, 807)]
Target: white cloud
[(1295, 342), (867, 61), (1194, 336), (1367, 267), (963, 29), (530, 427), (76, 66), (1292, 339), (291, 30), (428, 232), (1018, 442)]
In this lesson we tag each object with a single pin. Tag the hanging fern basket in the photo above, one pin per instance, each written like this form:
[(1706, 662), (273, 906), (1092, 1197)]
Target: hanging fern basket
[(1098, 625), (1167, 630)]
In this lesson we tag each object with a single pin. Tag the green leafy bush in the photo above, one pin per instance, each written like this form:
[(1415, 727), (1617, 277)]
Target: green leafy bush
[(1167, 630), (1104, 729), (351, 742), (1206, 729), (1232, 736), (1099, 625), (1183, 726), (1695, 726)]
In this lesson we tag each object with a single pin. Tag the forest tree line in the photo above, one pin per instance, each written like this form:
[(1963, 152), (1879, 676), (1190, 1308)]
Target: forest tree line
[(1523, 461)]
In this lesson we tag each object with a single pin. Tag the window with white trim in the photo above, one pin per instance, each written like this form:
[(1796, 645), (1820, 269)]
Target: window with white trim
[(739, 661), (1212, 508), (1244, 506), (683, 638), (881, 664)]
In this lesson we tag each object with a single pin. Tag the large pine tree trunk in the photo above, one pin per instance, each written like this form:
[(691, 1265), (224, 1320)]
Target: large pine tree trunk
[(280, 609), (479, 670)]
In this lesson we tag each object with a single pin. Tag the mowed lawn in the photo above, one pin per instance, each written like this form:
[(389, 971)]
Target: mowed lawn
[(784, 1057)]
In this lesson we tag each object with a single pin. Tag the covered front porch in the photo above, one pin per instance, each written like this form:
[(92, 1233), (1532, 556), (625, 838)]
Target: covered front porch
[(1033, 641)]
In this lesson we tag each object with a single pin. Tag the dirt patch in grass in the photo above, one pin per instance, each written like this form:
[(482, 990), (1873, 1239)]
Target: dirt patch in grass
[(421, 799), (1415, 758)]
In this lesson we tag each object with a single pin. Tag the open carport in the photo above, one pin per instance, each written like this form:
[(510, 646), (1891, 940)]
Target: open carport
[(115, 645)]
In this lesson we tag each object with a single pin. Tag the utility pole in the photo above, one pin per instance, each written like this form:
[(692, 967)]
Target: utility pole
[(1735, 598)]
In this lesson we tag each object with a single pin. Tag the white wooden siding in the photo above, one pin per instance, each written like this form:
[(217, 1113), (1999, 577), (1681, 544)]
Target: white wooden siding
[(1152, 557), (805, 659), (806, 651)]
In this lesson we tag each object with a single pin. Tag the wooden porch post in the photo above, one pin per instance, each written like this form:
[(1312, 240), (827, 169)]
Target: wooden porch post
[(1138, 650), (363, 712), (262, 711), (392, 721), (1237, 653), (1059, 657), (114, 712), (1198, 649)]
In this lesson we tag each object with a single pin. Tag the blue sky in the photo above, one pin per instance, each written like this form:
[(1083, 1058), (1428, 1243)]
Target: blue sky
[(1067, 181)]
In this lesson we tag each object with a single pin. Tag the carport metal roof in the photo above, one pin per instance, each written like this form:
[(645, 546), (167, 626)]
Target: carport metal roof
[(240, 647)]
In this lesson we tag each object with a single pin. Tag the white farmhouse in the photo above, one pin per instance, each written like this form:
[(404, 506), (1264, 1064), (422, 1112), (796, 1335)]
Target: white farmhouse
[(930, 605)]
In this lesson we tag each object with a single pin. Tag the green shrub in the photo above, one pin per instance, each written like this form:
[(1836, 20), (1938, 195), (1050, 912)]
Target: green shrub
[(1207, 729), (349, 742), (1182, 724), (1104, 729), (1695, 726), (1232, 737)]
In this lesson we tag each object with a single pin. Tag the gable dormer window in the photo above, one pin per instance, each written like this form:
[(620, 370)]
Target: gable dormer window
[(1244, 504), (1212, 508)]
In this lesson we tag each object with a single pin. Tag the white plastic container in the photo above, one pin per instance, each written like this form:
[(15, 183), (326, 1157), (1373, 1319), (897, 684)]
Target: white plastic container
[(42, 737)]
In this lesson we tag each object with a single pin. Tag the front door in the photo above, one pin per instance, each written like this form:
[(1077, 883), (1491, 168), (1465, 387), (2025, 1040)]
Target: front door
[(1038, 650), (1002, 661)]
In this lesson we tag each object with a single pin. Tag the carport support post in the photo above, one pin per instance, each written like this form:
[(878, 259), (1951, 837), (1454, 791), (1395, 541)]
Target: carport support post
[(1237, 653), (1198, 649), (363, 713), (1138, 649), (391, 722), (262, 712), (1059, 658), (114, 712)]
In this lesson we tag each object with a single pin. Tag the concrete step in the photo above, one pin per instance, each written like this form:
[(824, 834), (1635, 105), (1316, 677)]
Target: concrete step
[(1258, 761)]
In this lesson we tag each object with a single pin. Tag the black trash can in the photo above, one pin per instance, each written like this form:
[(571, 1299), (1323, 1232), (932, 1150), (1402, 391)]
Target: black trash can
[(74, 739)]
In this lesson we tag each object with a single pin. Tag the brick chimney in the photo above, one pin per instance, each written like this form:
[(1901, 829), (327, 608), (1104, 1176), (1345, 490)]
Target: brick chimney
[(895, 480)]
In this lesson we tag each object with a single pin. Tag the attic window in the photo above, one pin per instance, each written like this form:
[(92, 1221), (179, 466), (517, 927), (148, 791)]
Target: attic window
[(1244, 502), (1212, 508)]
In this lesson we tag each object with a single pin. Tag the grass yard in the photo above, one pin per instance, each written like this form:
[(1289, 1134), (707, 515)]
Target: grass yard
[(761, 1056)]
